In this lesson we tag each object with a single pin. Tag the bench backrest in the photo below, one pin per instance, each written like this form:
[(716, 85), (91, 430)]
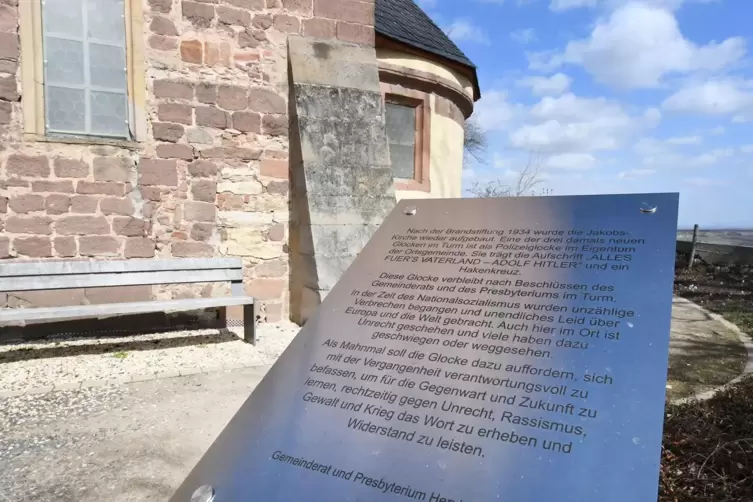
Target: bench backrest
[(42, 275)]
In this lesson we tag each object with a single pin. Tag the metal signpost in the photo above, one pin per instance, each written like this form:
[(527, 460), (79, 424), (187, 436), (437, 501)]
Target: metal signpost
[(510, 349)]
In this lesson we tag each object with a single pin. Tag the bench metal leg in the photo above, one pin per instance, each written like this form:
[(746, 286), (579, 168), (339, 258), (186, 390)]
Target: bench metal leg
[(249, 323)]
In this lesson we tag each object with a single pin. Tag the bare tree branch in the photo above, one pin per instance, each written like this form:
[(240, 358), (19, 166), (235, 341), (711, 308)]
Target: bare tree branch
[(527, 180), (474, 142)]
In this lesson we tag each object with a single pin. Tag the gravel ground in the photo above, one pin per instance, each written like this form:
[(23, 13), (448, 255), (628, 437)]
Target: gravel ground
[(69, 363), (129, 443)]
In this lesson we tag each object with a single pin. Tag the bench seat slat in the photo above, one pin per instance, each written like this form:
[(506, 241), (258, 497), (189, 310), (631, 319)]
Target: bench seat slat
[(93, 280), (35, 267), (88, 311)]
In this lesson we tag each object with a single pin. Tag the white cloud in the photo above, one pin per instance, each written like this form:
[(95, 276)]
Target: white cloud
[(464, 30), (570, 124), (635, 174), (637, 46), (653, 147), (542, 86), (469, 174), (495, 112), (722, 96), (718, 130), (746, 148), (560, 5), (572, 161), (523, 36)]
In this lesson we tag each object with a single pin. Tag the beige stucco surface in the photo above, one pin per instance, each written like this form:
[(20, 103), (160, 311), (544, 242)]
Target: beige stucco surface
[(390, 56), (446, 147)]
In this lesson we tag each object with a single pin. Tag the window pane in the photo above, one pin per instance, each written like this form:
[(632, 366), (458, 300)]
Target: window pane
[(66, 109), (403, 161), (106, 20), (107, 66), (109, 113), (401, 132), (63, 17), (85, 60), (401, 124), (65, 62)]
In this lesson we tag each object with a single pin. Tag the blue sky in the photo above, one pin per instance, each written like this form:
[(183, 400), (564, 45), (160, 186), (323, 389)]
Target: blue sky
[(616, 96)]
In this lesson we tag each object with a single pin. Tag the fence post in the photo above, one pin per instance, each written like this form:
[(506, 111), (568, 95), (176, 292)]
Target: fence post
[(693, 246)]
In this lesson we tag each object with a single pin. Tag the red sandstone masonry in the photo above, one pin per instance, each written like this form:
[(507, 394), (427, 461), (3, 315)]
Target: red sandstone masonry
[(217, 114)]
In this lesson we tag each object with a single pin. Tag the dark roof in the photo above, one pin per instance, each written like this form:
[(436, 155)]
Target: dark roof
[(404, 21)]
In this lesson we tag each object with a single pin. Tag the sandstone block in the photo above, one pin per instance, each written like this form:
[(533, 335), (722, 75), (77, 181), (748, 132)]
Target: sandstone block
[(175, 151), (101, 187), (266, 289), (351, 11), (174, 112), (199, 135), (112, 168), (199, 211), (206, 93), (266, 101), (131, 227), (4, 247), (6, 112), (65, 247), (204, 190), (202, 169), (62, 186), (164, 131), (198, 14), (173, 89), (70, 168), (163, 26), (319, 28), (229, 201), (34, 247), (8, 88), (247, 4), (275, 125), (113, 205), (163, 6), (202, 231), (274, 168), (191, 51), (211, 116), (26, 203), (226, 152), (278, 187), (3, 204), (355, 33), (98, 245), (232, 97), (28, 166), (247, 122), (82, 225), (262, 21), (139, 247), (238, 17), (162, 43), (300, 6), (52, 298), (57, 204), (158, 172), (273, 312), (84, 204), (287, 24), (251, 38), (276, 232), (271, 268), (187, 249)]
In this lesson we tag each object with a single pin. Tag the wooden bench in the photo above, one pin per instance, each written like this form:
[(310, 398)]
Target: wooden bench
[(46, 275)]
